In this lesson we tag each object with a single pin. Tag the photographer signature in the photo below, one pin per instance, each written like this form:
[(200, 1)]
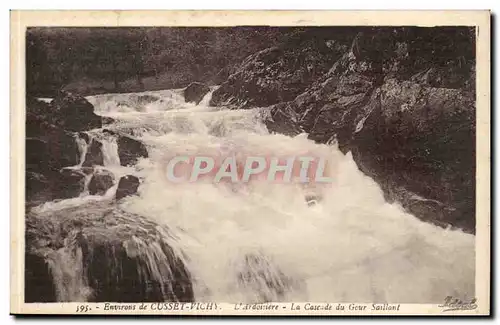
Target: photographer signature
[(451, 304)]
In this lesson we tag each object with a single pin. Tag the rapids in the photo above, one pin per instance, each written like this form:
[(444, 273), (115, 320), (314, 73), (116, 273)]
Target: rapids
[(262, 241)]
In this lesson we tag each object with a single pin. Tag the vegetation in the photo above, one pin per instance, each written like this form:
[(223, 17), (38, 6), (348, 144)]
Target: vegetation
[(96, 60)]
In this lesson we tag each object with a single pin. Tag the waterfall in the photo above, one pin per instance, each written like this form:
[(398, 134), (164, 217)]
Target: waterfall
[(82, 148), (110, 152), (250, 242)]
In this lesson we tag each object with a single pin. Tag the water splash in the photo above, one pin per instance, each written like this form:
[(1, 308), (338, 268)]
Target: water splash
[(261, 242)]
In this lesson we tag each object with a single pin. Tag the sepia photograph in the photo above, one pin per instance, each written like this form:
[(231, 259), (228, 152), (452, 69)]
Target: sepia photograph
[(252, 168)]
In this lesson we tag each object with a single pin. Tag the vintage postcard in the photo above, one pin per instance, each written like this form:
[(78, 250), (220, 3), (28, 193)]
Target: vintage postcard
[(250, 162)]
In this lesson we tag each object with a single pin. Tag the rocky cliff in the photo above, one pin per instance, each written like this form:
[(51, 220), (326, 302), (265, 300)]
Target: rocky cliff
[(402, 100)]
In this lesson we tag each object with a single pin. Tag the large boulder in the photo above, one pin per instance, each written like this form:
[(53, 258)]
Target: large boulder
[(99, 253), (37, 188), (127, 185), (36, 154), (130, 150), (407, 117), (94, 155), (74, 113), (69, 184), (279, 74), (423, 139), (51, 145), (100, 182), (39, 283), (52, 150), (195, 92)]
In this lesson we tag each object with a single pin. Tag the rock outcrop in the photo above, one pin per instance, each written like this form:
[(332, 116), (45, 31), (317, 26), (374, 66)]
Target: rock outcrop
[(94, 155), (99, 253), (279, 74), (72, 113), (195, 92), (401, 102), (130, 150), (127, 186), (51, 133), (100, 182)]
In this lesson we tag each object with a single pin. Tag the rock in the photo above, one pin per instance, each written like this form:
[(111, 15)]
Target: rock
[(106, 120), (121, 257), (63, 150), (281, 118), (127, 186), (260, 276), (52, 151), (423, 139), (108, 131), (100, 183), (84, 136), (278, 74), (130, 150), (37, 189), (36, 154), (38, 280), (406, 116), (195, 92), (70, 183), (94, 155), (147, 99), (74, 113)]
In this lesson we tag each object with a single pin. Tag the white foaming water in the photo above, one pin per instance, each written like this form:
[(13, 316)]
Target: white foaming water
[(261, 241), (82, 148)]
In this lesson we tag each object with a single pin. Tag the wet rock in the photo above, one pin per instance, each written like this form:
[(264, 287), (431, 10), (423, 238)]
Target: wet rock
[(195, 92), (84, 136), (69, 184), (259, 275), (37, 188), (122, 257), (107, 120), (108, 131), (36, 154), (101, 182), (94, 155), (407, 117), (74, 113), (147, 99), (281, 118), (130, 150), (423, 139), (312, 199), (38, 280), (278, 74), (127, 186)]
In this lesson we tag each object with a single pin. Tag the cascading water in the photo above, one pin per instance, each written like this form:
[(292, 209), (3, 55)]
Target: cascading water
[(258, 241)]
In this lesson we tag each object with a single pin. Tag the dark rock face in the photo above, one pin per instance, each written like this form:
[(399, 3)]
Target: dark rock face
[(116, 256), (51, 145), (195, 92), (100, 183), (70, 184), (52, 150), (127, 186), (260, 276), (74, 113), (37, 188), (94, 154), (107, 120), (279, 74), (36, 153), (130, 150), (39, 284), (422, 139), (400, 101)]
